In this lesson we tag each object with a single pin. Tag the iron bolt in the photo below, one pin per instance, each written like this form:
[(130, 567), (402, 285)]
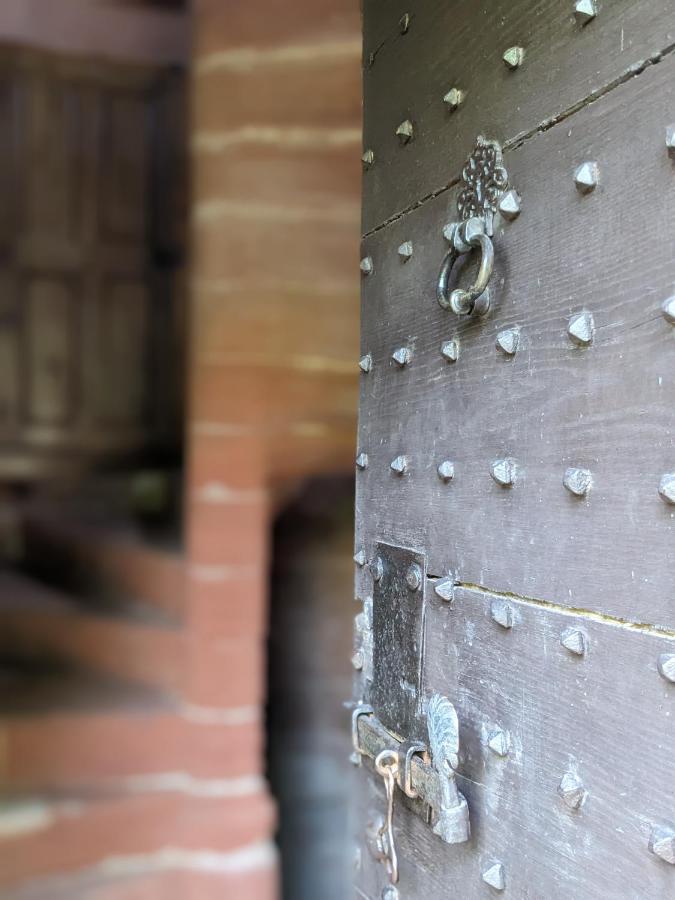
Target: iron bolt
[(586, 177), (572, 791), (445, 589), (581, 328), (360, 558), (494, 876), (404, 23), (585, 10), (450, 351), (405, 251), (405, 131), (399, 465), (666, 666), (667, 487), (509, 205), (670, 139), (577, 481), (414, 577), (502, 613), (498, 742), (366, 265), (362, 461), (513, 57), (377, 569), (368, 159), (508, 341), (662, 844), (504, 471), (446, 470), (366, 363), (453, 98), (402, 356), (357, 660), (668, 310), (574, 640)]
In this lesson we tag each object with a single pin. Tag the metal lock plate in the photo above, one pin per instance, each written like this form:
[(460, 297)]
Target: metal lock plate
[(398, 640)]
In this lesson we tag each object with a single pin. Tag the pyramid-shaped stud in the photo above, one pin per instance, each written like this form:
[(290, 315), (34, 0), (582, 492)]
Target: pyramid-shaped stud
[(662, 844), (586, 177), (668, 310), (453, 98), (670, 139), (498, 742), (585, 10), (366, 363), (504, 471), (667, 487), (399, 465), (445, 588), (513, 57), (405, 251), (360, 558), (509, 205), (450, 351), (362, 461), (494, 876), (581, 328), (446, 470), (357, 660), (666, 666), (366, 265), (402, 356), (502, 613), (367, 158), (572, 790), (578, 481), (574, 640), (405, 131), (508, 341)]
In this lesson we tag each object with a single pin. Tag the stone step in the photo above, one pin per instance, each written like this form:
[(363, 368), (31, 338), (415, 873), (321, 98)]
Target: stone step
[(132, 641)]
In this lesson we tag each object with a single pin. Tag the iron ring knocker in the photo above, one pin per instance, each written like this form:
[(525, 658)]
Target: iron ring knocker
[(465, 236)]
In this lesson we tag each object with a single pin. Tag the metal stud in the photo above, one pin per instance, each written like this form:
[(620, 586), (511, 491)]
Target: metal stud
[(586, 177), (357, 660), (504, 471), (662, 844), (667, 487), (399, 465), (509, 340), (494, 876), (574, 640), (413, 577), (405, 251), (402, 356), (377, 569), (405, 131), (578, 481), (572, 790), (366, 265), (498, 742), (668, 310), (581, 328), (585, 10), (670, 139), (502, 613), (454, 98), (445, 588), (368, 158), (404, 23), (360, 558), (446, 470), (390, 893), (509, 205), (666, 666), (366, 363), (514, 56), (450, 351), (362, 460)]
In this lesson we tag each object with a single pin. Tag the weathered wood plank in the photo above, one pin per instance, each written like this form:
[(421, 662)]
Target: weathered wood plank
[(460, 44), (605, 717), (606, 407)]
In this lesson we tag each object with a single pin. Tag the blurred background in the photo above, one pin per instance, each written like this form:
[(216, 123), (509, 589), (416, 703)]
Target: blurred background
[(179, 220)]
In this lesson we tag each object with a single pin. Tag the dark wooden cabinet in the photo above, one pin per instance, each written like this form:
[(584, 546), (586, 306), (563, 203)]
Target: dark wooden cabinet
[(92, 233)]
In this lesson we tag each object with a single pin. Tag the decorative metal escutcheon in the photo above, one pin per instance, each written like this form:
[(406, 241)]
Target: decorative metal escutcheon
[(484, 181)]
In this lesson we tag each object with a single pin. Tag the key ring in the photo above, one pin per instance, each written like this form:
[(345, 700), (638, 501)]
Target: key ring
[(386, 765)]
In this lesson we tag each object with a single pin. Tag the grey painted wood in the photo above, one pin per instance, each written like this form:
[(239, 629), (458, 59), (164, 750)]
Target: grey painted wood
[(606, 716), (460, 43), (607, 407)]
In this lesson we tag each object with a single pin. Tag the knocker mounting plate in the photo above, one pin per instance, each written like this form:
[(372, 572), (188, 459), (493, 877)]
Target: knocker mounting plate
[(484, 181)]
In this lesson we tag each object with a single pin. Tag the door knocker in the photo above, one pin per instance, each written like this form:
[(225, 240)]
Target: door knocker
[(484, 181)]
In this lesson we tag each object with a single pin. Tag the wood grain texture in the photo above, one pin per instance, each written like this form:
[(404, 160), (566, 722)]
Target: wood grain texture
[(460, 44), (562, 713), (606, 407)]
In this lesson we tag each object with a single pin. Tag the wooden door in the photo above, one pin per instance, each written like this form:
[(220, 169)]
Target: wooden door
[(515, 539)]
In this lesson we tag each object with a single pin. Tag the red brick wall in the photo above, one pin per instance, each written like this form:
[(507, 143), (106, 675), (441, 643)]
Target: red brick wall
[(274, 329)]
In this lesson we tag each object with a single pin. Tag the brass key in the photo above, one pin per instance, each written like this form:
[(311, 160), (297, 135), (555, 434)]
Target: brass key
[(386, 765)]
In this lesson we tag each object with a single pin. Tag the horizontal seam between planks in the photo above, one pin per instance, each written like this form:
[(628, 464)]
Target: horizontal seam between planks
[(591, 615), (523, 137)]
